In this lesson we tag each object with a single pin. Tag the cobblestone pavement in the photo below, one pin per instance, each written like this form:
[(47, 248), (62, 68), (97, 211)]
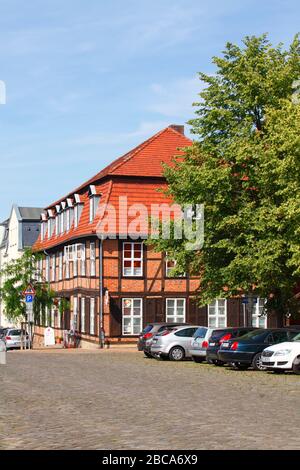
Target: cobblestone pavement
[(121, 400)]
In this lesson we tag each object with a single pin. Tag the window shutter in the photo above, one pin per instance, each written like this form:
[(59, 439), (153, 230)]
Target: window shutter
[(197, 315), (234, 312), (87, 314)]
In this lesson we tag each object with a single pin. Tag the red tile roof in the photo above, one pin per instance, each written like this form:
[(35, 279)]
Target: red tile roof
[(144, 161)]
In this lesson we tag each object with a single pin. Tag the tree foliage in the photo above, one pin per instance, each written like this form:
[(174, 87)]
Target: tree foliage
[(16, 276), (245, 168)]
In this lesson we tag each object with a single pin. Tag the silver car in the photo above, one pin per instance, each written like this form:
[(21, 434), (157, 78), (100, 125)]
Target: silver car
[(173, 343), (12, 338), (199, 343)]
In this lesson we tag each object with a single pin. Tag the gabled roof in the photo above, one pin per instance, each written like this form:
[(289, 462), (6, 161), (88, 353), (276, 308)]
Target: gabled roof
[(138, 175), (145, 160)]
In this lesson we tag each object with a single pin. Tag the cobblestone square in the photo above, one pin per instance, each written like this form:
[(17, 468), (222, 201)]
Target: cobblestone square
[(117, 399)]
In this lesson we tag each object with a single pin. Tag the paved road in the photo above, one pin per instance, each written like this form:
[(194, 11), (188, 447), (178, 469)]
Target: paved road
[(119, 400)]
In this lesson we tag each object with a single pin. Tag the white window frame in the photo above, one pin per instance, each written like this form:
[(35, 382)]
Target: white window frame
[(47, 272), (132, 259), (60, 266), (57, 224), (215, 307), (93, 259), (53, 268), (256, 315), (92, 315), (75, 313), (94, 203), (132, 316), (82, 315), (169, 269), (175, 317), (82, 260)]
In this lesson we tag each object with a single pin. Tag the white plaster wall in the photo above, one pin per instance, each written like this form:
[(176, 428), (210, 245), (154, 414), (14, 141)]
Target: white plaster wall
[(12, 253)]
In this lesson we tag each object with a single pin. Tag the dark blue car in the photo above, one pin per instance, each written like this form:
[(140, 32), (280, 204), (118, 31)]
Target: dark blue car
[(245, 351)]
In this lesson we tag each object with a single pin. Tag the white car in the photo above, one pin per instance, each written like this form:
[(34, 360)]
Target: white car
[(283, 356)]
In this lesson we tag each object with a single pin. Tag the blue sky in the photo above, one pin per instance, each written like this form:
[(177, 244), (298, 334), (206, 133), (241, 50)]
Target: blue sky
[(88, 80)]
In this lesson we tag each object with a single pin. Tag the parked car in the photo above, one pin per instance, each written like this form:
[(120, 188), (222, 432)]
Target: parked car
[(148, 333), (12, 338), (2, 332), (283, 356), (199, 343), (173, 343), (219, 335), (246, 351)]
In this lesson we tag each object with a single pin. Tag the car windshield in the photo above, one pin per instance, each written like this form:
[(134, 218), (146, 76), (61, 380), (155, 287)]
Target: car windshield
[(256, 335), (296, 338)]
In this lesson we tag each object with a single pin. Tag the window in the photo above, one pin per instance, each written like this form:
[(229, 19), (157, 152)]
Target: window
[(92, 316), (62, 223), (93, 259), (217, 314), (58, 312), (132, 316), (42, 231), (60, 266), (258, 318), (53, 267), (94, 203), (75, 313), (82, 315), (82, 259), (52, 316), (47, 274), (186, 332), (170, 265), (132, 259), (175, 310), (57, 224), (67, 263)]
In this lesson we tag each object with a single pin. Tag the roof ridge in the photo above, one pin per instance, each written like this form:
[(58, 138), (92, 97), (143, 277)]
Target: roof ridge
[(137, 149)]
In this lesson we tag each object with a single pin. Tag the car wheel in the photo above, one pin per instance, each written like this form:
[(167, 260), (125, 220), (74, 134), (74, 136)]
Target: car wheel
[(241, 366), (296, 365), (218, 363), (148, 355), (176, 354), (256, 362), (197, 359)]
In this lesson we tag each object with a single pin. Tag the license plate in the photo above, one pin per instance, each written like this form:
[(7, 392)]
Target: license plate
[(212, 344), (225, 345), (154, 341)]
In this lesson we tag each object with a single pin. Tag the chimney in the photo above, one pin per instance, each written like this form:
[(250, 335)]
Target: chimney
[(177, 128)]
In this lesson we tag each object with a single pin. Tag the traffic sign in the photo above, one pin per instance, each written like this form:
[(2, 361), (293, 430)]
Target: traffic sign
[(245, 300), (29, 291), (29, 298)]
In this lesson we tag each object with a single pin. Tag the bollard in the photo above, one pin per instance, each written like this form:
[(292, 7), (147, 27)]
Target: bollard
[(2, 352)]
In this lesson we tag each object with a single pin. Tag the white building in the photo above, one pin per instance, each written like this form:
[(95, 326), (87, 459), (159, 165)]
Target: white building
[(18, 232)]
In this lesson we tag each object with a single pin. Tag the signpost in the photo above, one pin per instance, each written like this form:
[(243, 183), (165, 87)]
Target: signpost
[(29, 295)]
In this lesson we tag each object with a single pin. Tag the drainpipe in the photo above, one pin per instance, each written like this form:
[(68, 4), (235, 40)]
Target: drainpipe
[(101, 329)]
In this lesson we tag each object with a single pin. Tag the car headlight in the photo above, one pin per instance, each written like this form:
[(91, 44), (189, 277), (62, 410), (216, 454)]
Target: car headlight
[(282, 352)]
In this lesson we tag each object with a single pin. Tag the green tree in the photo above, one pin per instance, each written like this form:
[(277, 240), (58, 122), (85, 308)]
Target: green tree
[(245, 168), (16, 276)]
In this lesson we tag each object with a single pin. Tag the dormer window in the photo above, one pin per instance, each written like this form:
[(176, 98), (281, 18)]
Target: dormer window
[(43, 226), (69, 214), (50, 223), (94, 202), (77, 209), (63, 218)]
